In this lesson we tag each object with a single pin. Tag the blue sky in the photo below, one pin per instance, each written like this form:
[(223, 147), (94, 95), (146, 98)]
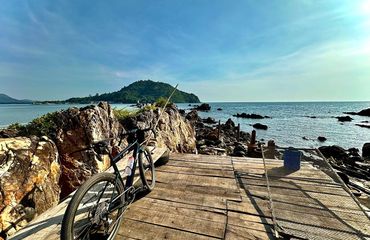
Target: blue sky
[(281, 50)]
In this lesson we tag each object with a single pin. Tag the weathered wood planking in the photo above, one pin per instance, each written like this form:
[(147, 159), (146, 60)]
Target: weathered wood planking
[(307, 202), (213, 197)]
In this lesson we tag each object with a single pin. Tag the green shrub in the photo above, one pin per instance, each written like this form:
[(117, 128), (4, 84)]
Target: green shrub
[(122, 114), (161, 102), (41, 126)]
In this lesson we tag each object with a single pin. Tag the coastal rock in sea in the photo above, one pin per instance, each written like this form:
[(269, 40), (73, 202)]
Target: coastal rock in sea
[(203, 107), (365, 112), (260, 126), (321, 138), (219, 109), (344, 118), (193, 117), (366, 151), (209, 120), (77, 129), (363, 125), (310, 116), (334, 151), (173, 131), (29, 176), (251, 116), (229, 124)]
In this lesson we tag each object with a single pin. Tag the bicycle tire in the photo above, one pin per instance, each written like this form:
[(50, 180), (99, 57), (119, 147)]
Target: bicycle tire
[(68, 228), (146, 165)]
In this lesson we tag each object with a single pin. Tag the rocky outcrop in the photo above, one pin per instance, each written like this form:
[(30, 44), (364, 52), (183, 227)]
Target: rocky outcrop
[(334, 151), (366, 151), (251, 116), (173, 131), (203, 107), (321, 138), (344, 118), (365, 112), (29, 176), (260, 126), (77, 129)]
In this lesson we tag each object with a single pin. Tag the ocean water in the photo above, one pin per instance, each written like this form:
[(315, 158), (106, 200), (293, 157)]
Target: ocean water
[(289, 122), (287, 126)]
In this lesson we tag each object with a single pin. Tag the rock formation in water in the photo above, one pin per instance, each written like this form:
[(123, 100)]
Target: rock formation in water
[(29, 177)]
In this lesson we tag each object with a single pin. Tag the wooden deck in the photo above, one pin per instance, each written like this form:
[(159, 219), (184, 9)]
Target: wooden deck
[(214, 197)]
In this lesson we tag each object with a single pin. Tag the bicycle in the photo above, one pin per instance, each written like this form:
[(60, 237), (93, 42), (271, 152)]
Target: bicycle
[(96, 209)]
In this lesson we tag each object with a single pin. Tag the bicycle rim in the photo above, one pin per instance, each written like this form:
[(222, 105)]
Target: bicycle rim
[(92, 219)]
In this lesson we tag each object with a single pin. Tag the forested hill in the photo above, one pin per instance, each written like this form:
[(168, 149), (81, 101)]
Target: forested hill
[(142, 91), (5, 99)]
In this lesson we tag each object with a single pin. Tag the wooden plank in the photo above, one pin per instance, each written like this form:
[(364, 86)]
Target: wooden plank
[(245, 233), (198, 212), (199, 165), (183, 195), (228, 184), (198, 171), (186, 221), (147, 231)]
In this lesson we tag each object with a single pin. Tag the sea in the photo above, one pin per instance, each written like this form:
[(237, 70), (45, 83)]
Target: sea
[(289, 122)]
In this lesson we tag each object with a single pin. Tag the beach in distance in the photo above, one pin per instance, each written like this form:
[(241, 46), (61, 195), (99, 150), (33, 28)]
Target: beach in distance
[(295, 124)]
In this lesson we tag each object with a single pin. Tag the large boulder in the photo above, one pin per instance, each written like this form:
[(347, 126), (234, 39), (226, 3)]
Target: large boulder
[(365, 112), (193, 117), (334, 151), (366, 151), (29, 176), (77, 129), (173, 131), (260, 126), (203, 107)]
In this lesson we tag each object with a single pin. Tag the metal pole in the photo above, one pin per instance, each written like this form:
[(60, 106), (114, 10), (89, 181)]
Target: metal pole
[(219, 129), (274, 222), (238, 133)]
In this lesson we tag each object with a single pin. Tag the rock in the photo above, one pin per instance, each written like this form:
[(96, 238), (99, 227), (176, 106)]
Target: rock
[(219, 109), (229, 124), (77, 129), (209, 120), (344, 118), (173, 131), (182, 112), (364, 121), (366, 150), (192, 116), (203, 107), (251, 116), (363, 125), (305, 138), (8, 133), (334, 151), (365, 112), (321, 138), (240, 151), (310, 116), (260, 126), (29, 176)]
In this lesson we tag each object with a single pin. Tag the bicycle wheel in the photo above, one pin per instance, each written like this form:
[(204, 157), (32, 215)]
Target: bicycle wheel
[(146, 168), (88, 215)]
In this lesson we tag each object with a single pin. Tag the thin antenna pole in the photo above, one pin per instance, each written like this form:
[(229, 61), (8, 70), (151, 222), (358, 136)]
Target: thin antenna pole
[(274, 222), (159, 117)]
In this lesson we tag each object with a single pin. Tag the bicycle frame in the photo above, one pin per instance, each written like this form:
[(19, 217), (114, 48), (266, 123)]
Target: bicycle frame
[(130, 178)]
